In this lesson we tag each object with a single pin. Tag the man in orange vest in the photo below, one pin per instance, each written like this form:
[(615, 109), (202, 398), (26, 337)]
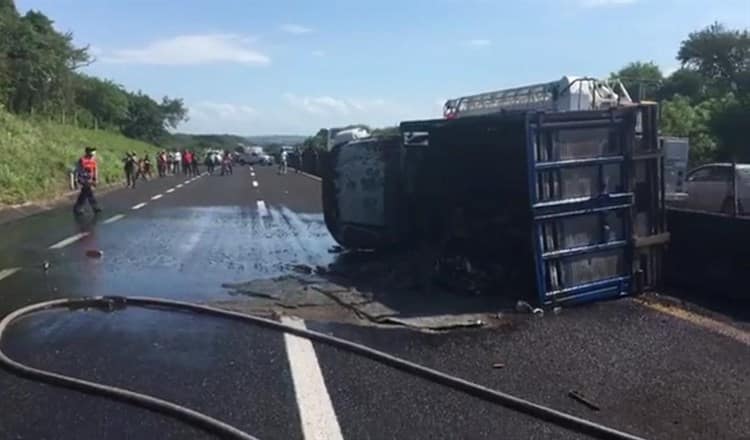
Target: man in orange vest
[(87, 174)]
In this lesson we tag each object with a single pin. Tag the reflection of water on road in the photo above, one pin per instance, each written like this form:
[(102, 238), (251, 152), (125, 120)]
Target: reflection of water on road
[(182, 253)]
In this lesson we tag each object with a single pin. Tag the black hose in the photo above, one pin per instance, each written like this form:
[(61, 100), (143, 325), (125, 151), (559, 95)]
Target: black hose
[(224, 430)]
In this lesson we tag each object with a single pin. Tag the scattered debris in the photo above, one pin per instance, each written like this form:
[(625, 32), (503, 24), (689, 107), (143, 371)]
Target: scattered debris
[(45, 265), (575, 395), (303, 269), (440, 322), (94, 253), (499, 315), (335, 249), (523, 307), (557, 310), (498, 365), (538, 312)]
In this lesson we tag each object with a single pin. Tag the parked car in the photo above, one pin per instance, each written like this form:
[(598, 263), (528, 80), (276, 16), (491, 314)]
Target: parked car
[(710, 188)]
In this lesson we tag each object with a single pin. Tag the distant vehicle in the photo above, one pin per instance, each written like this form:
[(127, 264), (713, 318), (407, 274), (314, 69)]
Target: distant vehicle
[(339, 136), (571, 93), (711, 187), (266, 159)]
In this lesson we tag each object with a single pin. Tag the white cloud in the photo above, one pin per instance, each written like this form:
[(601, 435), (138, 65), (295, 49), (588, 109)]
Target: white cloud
[(479, 42), (318, 53), (191, 50), (604, 3), (295, 29)]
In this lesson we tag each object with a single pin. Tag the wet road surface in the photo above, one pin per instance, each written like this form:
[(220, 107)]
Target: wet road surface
[(652, 374)]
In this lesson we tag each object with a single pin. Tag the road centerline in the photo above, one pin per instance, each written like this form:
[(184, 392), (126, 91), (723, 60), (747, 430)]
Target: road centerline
[(318, 418), (72, 239), (262, 209), (113, 219), (157, 197), (138, 206), (5, 273), (255, 183), (170, 190), (179, 186)]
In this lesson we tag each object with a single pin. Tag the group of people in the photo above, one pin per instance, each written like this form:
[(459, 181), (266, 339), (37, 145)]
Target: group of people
[(167, 163)]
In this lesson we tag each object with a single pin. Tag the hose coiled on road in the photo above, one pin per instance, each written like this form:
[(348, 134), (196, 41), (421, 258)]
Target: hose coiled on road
[(224, 430)]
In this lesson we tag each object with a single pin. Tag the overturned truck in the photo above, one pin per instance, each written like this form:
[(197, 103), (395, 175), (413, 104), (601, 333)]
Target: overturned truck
[(560, 207)]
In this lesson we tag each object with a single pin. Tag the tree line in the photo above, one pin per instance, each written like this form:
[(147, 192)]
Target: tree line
[(40, 77), (707, 99)]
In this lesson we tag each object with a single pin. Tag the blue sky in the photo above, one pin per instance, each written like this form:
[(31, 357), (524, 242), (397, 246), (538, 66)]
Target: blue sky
[(291, 67)]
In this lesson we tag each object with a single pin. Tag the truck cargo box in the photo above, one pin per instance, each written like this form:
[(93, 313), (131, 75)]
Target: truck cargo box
[(565, 206)]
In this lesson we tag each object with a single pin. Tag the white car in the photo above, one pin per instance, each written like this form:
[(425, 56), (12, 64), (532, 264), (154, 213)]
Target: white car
[(710, 188)]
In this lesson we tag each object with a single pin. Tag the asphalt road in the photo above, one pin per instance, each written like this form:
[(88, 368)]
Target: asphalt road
[(654, 374)]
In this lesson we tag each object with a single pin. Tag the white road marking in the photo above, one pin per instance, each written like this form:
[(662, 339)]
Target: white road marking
[(315, 409), (113, 219), (72, 239), (255, 183), (170, 190), (262, 210), (252, 169), (157, 197), (179, 186), (186, 182), (5, 273), (252, 174), (138, 206)]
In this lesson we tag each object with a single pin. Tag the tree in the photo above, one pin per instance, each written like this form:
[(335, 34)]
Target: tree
[(174, 111), (641, 79), (682, 119), (684, 82), (105, 101), (722, 56)]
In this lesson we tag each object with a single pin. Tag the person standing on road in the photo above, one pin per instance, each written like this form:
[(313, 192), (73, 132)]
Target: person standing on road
[(196, 164), (187, 162), (87, 175), (283, 163), (131, 169), (177, 162)]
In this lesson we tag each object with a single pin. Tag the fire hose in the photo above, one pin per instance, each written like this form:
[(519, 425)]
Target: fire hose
[(223, 430)]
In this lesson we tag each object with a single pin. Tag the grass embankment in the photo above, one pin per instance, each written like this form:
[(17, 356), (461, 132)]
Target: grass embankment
[(36, 157)]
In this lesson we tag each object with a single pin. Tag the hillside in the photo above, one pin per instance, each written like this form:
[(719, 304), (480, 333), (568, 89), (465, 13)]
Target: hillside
[(37, 156)]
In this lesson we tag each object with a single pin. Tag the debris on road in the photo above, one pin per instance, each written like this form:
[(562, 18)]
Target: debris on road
[(45, 265), (94, 253), (523, 307), (440, 322), (498, 365), (577, 396), (538, 312), (557, 310)]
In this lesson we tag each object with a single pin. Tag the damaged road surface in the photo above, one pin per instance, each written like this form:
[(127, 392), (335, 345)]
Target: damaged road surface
[(653, 373)]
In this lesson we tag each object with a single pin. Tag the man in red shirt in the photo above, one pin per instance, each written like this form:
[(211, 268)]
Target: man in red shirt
[(187, 161)]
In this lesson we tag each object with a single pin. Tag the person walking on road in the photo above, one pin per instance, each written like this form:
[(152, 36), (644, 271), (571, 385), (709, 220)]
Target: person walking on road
[(87, 175), (146, 168), (161, 163), (131, 169), (177, 162), (283, 163), (187, 162), (196, 164)]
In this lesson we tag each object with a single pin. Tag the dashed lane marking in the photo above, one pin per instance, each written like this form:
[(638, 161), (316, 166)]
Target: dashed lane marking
[(186, 182), (157, 197), (316, 412), (170, 190), (5, 273), (262, 210), (72, 239), (138, 206), (701, 321), (252, 174), (255, 183), (113, 219), (179, 186)]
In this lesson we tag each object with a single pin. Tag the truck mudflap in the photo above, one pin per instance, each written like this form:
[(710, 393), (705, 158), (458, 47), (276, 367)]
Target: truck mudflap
[(360, 193)]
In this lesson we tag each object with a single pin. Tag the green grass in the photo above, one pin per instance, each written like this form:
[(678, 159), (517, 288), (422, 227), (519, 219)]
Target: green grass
[(35, 157)]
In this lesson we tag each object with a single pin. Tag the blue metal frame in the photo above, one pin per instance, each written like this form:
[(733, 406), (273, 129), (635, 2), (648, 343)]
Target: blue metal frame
[(546, 211)]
